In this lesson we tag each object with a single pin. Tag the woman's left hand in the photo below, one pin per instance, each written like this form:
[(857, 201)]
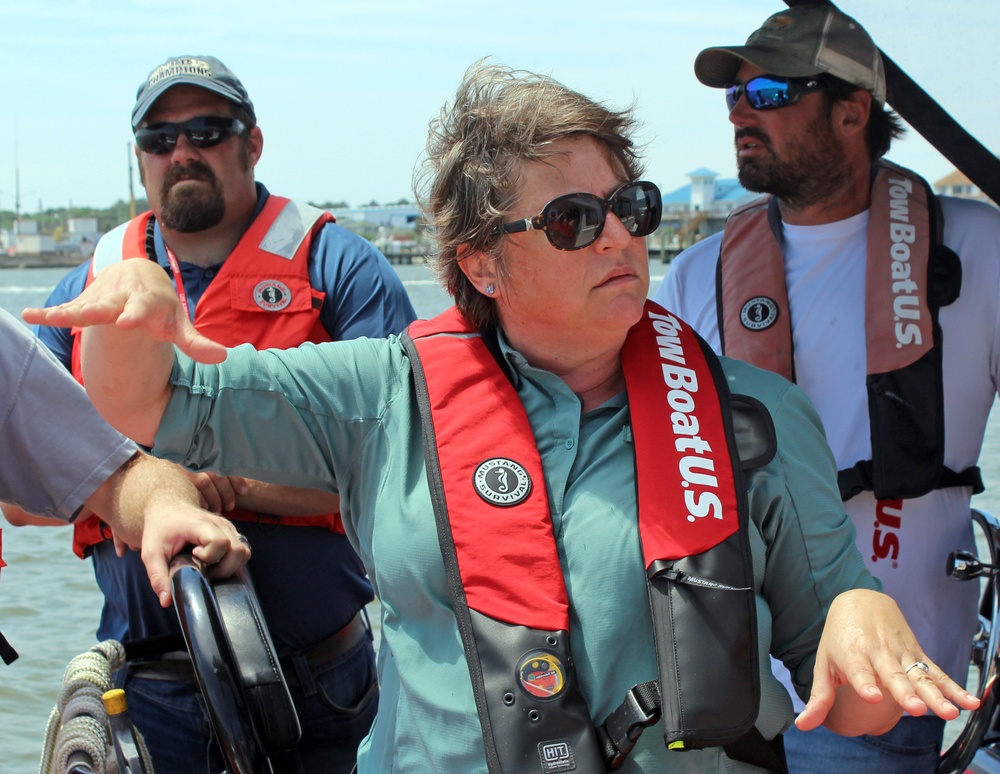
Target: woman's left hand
[(868, 649)]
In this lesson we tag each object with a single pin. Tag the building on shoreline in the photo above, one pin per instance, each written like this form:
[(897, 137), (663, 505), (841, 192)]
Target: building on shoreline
[(956, 183), (25, 244), (696, 210)]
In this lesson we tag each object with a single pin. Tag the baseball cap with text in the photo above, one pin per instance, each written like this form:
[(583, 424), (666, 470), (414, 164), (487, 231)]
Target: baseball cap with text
[(801, 41), (207, 72)]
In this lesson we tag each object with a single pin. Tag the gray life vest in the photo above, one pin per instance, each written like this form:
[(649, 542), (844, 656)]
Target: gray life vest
[(910, 275)]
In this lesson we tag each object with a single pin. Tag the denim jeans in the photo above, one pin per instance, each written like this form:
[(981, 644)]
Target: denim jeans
[(336, 707), (913, 746)]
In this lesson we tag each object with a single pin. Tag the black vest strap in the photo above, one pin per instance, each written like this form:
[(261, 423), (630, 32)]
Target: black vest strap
[(854, 481), (7, 652), (622, 728), (641, 709), (756, 750), (153, 647)]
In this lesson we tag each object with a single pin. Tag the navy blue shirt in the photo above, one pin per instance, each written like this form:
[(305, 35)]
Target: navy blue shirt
[(309, 580)]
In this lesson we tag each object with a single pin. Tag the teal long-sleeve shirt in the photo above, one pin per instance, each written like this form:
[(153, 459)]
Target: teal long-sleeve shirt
[(344, 417)]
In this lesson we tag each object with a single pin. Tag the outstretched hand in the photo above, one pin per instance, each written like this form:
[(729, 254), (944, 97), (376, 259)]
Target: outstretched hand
[(861, 681), (132, 295)]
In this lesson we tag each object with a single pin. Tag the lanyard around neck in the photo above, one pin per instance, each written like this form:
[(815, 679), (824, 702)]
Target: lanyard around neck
[(175, 267)]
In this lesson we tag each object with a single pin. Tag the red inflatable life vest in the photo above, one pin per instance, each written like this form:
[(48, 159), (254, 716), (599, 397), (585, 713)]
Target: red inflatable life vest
[(503, 568)]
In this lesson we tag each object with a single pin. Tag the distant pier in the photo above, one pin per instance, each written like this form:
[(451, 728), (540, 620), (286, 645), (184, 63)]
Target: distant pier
[(41, 260)]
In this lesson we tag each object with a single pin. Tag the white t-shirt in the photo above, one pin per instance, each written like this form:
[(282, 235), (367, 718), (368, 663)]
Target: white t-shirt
[(906, 545)]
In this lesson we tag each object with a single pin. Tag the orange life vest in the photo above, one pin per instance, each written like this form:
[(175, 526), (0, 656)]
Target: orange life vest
[(507, 587), (910, 275), (261, 296)]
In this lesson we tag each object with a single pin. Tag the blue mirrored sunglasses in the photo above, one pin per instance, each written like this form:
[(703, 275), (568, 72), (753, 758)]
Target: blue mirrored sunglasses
[(769, 92)]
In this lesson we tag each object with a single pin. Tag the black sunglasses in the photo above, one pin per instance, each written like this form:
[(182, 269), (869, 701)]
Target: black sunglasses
[(576, 220), (769, 92), (201, 131)]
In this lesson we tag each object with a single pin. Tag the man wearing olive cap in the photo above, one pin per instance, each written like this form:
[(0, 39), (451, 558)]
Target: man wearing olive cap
[(879, 299), (260, 269)]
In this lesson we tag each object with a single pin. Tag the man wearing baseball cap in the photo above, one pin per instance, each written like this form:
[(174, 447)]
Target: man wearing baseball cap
[(882, 301), (260, 269)]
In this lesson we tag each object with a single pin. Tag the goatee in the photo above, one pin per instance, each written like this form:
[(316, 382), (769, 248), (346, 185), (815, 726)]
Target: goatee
[(191, 208)]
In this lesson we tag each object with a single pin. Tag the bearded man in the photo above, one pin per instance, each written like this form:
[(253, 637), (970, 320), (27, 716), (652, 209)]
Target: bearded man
[(879, 299), (268, 271)]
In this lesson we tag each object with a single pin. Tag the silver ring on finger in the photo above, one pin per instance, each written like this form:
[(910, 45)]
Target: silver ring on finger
[(918, 665)]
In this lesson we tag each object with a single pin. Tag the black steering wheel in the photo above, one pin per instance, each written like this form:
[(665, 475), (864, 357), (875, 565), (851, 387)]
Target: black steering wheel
[(235, 666), (963, 566)]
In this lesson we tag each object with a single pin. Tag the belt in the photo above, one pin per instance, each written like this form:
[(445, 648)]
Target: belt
[(177, 665), (329, 649)]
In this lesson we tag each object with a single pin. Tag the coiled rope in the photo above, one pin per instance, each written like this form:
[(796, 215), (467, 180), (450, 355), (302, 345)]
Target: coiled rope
[(78, 731)]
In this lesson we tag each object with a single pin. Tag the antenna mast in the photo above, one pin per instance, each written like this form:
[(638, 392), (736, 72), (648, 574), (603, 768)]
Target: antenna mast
[(17, 191), (131, 189)]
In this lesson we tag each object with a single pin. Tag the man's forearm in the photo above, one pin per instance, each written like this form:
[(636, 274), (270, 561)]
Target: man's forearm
[(287, 500), (142, 486)]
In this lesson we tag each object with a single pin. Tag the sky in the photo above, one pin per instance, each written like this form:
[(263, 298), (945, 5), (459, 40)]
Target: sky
[(344, 91)]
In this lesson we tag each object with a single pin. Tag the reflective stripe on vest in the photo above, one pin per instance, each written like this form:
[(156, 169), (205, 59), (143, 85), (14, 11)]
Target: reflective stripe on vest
[(512, 606), (909, 276), (261, 296)]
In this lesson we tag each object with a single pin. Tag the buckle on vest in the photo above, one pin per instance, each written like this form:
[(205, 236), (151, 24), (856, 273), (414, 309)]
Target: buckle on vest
[(626, 724)]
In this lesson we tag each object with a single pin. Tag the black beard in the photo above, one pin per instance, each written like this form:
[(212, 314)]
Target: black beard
[(811, 172), (192, 208)]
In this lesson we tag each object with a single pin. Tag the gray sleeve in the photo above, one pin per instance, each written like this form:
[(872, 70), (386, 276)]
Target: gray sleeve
[(55, 448)]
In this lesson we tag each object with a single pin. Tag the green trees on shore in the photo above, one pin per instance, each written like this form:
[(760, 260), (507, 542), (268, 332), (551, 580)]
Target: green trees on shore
[(53, 220)]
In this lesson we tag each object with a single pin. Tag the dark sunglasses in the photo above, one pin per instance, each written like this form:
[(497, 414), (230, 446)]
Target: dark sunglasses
[(202, 132), (576, 220), (769, 92)]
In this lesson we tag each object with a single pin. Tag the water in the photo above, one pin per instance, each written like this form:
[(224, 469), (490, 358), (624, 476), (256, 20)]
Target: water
[(49, 602)]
